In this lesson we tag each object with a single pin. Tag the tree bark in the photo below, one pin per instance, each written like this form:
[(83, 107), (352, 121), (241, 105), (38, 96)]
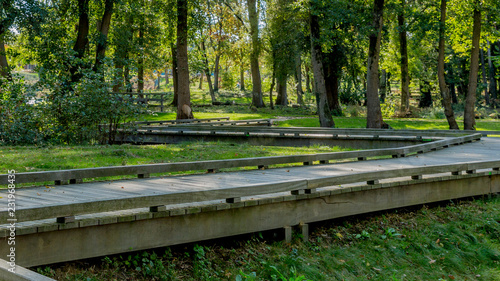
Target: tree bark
[(216, 72), (425, 94), (383, 85), (298, 79), (126, 77), (140, 61), (184, 96), (242, 78), (325, 116), (254, 56), (485, 79), (470, 100), (403, 51), (273, 79), (81, 38), (175, 79), (281, 98), (493, 82), (200, 86), (102, 41), (4, 65), (443, 88), (207, 73), (374, 113), (308, 80), (118, 81), (332, 77)]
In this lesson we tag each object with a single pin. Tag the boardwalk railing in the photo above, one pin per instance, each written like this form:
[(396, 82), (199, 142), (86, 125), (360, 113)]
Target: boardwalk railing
[(310, 131), (143, 171), (182, 121), (232, 194), (204, 124), (146, 98)]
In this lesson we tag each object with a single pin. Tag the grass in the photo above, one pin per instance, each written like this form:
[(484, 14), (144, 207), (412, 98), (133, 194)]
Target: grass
[(33, 159), (305, 117), (410, 123), (457, 241)]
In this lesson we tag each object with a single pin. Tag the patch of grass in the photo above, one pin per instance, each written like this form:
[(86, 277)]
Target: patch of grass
[(458, 241), (406, 123), (33, 159)]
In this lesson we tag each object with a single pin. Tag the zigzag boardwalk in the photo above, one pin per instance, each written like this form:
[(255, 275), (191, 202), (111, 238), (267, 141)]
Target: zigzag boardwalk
[(101, 218)]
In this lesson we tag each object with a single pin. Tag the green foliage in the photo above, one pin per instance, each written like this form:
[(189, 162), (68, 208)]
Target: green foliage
[(78, 113), (22, 118)]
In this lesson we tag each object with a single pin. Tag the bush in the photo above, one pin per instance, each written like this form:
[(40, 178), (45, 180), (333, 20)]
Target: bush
[(22, 119), (79, 112), (64, 114)]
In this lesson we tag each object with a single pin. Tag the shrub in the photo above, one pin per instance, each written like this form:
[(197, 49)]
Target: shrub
[(21, 116)]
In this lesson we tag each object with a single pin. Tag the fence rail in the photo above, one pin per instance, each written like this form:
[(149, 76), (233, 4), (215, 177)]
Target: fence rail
[(77, 175), (298, 131), (146, 98), (231, 194)]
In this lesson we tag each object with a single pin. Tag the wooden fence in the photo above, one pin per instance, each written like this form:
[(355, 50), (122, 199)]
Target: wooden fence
[(146, 98)]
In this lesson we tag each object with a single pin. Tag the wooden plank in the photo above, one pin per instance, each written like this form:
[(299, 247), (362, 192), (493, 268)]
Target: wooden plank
[(19, 274), (52, 211)]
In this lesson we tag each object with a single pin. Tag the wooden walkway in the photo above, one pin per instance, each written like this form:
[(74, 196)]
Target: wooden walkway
[(487, 149), (193, 194)]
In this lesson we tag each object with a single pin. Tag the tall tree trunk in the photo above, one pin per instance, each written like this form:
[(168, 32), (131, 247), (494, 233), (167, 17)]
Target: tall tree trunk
[(308, 80), (383, 85), (175, 79), (332, 76), (216, 72), (4, 65), (118, 80), (298, 79), (485, 79), (325, 116), (242, 78), (140, 61), (82, 37), (184, 110), (469, 116), (102, 41), (443, 88), (374, 113), (403, 51), (281, 98), (207, 72), (273, 79), (425, 94), (201, 81), (254, 56), (493, 82)]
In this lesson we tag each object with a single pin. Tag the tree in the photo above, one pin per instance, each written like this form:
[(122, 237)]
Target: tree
[(374, 112), (443, 88), (325, 116), (254, 56), (184, 96), (403, 47), (469, 116), (102, 39)]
